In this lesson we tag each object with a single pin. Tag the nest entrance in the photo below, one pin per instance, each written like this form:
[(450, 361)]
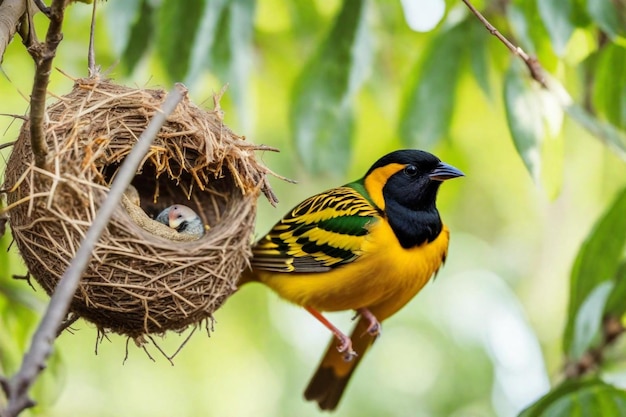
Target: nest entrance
[(137, 283)]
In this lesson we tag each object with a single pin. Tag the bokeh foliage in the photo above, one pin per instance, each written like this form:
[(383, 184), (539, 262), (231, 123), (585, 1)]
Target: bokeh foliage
[(537, 261)]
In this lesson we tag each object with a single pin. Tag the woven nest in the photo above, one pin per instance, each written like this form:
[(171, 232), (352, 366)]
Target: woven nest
[(137, 282)]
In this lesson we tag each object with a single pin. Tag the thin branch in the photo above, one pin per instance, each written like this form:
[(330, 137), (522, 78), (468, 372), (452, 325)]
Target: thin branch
[(91, 54), (534, 66), (42, 7), (592, 359), (69, 320), (34, 360), (3, 222), (43, 54), (608, 134), (11, 12), (7, 145)]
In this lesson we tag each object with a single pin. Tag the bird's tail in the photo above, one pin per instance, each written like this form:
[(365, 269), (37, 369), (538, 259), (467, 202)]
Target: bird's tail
[(333, 373)]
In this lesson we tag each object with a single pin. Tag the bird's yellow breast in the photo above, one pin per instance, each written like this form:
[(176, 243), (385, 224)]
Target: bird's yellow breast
[(385, 276)]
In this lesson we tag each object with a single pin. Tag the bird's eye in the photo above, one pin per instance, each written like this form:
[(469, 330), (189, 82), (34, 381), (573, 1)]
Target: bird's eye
[(410, 170)]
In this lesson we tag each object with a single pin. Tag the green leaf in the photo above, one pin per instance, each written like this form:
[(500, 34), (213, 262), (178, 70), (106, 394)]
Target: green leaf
[(141, 34), (205, 38), (580, 398), (232, 50), (598, 260), (428, 109), (518, 17), (589, 318), (322, 109), (555, 15), (616, 305), (479, 58), (606, 15), (614, 138), (533, 115), (609, 96), (178, 22), (121, 16)]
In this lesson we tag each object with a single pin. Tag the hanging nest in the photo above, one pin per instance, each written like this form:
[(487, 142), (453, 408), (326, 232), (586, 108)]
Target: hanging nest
[(137, 282)]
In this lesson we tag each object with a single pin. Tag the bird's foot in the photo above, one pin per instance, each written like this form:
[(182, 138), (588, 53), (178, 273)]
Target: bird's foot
[(345, 347), (345, 343), (375, 328)]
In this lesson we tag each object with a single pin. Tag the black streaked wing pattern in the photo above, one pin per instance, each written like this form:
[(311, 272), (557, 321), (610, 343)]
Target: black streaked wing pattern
[(323, 232)]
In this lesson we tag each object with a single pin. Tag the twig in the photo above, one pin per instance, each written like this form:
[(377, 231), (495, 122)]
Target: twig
[(42, 7), (592, 359), (3, 222), (43, 54), (609, 135), (91, 54), (69, 320), (34, 360), (535, 68), (7, 145)]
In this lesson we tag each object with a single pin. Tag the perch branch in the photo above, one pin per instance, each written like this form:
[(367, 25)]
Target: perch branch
[(34, 361), (43, 54)]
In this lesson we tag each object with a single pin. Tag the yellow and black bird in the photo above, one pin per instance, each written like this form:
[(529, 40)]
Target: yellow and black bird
[(369, 246)]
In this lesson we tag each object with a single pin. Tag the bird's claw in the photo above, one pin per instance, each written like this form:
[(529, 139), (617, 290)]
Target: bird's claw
[(345, 347), (375, 328)]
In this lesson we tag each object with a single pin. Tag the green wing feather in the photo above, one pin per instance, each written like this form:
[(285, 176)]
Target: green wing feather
[(323, 232)]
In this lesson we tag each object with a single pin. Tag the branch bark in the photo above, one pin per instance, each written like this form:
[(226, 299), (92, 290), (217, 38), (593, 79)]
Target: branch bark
[(34, 361), (612, 329), (11, 12), (43, 55)]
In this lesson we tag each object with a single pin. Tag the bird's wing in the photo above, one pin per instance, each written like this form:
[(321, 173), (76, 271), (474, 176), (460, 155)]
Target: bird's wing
[(323, 232)]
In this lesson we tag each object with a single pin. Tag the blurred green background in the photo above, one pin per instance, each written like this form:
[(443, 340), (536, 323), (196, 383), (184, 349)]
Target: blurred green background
[(483, 339)]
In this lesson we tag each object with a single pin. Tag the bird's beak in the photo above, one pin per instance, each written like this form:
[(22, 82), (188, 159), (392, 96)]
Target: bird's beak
[(445, 172)]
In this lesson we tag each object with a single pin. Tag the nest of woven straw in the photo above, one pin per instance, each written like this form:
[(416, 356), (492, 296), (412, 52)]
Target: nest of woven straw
[(137, 282)]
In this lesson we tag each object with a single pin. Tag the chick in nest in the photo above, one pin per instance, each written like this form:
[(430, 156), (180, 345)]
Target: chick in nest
[(177, 222), (183, 219)]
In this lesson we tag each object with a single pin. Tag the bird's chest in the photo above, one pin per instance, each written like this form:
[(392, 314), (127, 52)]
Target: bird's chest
[(401, 272), (385, 273)]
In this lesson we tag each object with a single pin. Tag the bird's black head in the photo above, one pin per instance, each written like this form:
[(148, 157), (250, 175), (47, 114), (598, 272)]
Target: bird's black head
[(404, 185)]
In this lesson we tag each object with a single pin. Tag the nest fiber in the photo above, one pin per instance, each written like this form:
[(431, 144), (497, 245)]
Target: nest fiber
[(137, 282)]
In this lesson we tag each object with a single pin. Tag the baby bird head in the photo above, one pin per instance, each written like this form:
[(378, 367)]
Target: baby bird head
[(185, 220)]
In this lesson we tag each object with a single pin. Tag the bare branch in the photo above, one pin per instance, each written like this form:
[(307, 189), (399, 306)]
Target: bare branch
[(592, 359), (535, 68), (608, 134), (43, 54), (91, 54), (34, 360), (3, 221), (11, 12)]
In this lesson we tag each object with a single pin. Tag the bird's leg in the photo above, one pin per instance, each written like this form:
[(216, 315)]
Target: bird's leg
[(345, 344), (375, 328)]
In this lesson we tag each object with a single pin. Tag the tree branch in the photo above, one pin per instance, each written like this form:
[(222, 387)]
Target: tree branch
[(11, 12), (608, 134), (43, 54), (34, 360), (612, 328), (535, 68)]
